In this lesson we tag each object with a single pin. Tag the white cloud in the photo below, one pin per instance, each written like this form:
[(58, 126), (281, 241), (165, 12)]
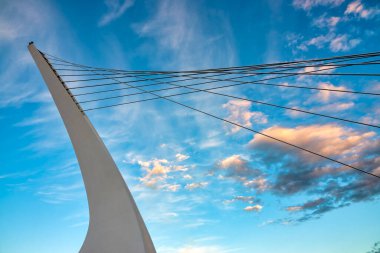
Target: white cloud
[(116, 9), (325, 95), (210, 143), (309, 4), (181, 157), (193, 186), (239, 112)]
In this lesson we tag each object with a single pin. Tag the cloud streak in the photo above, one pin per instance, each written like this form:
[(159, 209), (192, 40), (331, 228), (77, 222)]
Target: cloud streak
[(115, 9)]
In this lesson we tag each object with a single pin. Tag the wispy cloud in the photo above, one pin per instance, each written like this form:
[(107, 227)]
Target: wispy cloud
[(309, 4), (115, 9), (57, 193), (327, 22), (182, 40), (343, 43)]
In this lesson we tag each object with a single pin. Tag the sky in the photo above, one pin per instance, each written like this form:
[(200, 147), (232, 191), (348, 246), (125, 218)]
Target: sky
[(201, 185)]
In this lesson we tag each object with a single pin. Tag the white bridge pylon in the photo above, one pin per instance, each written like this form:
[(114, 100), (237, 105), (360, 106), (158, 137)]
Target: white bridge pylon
[(116, 225)]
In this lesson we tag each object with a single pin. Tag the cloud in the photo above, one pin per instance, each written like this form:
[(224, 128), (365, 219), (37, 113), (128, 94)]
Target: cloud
[(156, 172), (163, 175), (335, 42), (309, 4), (59, 193), (260, 183), (327, 22), (193, 186), (325, 95), (239, 112), (296, 172), (20, 21), (245, 199), (210, 143), (356, 8), (237, 168), (312, 69), (320, 40), (343, 43), (173, 187), (181, 157), (255, 208), (328, 140), (179, 37), (12, 175), (335, 107), (248, 199), (308, 205), (115, 9)]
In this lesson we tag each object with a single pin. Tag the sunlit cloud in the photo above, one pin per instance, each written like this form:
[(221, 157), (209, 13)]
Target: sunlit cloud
[(300, 173), (358, 9), (255, 208)]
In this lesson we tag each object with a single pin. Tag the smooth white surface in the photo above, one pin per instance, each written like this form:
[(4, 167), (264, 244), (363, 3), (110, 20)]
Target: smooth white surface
[(116, 225)]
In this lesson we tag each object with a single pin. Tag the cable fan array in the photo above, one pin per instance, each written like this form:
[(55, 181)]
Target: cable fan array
[(94, 88)]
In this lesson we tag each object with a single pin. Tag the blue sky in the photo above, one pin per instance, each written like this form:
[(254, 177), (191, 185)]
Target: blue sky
[(201, 185)]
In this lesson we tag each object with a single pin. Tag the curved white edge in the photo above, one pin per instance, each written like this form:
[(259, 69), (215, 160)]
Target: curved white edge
[(116, 225)]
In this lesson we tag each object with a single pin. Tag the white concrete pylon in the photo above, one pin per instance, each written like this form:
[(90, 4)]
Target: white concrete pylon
[(116, 225)]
